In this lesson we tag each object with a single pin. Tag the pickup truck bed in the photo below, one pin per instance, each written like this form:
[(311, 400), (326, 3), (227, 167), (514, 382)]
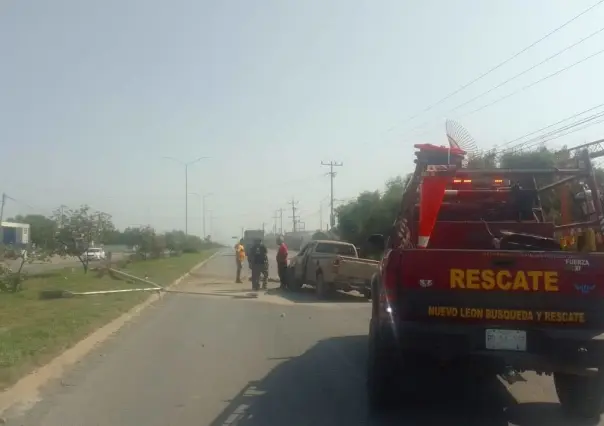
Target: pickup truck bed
[(355, 273)]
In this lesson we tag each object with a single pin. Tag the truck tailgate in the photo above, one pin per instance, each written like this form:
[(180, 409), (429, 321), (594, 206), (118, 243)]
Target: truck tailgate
[(355, 268), (542, 289)]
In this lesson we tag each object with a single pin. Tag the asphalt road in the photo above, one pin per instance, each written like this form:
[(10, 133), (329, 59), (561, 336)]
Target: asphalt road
[(221, 357)]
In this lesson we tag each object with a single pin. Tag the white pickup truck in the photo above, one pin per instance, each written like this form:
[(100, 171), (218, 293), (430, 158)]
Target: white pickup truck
[(329, 266)]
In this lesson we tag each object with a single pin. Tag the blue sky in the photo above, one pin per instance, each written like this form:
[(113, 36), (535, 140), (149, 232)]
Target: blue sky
[(94, 94)]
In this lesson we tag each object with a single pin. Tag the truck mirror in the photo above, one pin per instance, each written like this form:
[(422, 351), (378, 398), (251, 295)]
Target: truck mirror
[(376, 241)]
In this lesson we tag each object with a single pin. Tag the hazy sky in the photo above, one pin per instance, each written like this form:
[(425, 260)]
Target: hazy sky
[(94, 93)]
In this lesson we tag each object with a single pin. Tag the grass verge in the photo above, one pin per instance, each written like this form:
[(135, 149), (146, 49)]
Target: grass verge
[(33, 331)]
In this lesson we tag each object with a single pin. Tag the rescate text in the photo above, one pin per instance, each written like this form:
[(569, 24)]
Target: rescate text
[(488, 279)]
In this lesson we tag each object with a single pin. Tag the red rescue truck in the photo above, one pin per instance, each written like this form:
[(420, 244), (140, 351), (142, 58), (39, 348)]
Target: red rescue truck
[(472, 273)]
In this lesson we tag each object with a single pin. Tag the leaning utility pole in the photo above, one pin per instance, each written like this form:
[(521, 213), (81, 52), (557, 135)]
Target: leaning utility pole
[(332, 174), (294, 203)]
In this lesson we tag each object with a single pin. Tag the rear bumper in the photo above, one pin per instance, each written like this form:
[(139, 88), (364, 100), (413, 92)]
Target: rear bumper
[(548, 350), (346, 284)]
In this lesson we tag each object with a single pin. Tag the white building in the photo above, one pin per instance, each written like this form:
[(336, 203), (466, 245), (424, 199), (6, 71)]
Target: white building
[(15, 233)]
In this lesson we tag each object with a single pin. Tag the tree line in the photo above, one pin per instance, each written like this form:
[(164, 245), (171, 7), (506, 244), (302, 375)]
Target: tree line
[(373, 212), (70, 232)]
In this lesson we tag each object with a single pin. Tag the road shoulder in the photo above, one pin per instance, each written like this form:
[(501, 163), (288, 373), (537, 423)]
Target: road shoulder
[(26, 390)]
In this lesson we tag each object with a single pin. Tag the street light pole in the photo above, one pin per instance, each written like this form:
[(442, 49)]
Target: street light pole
[(203, 210), (186, 165)]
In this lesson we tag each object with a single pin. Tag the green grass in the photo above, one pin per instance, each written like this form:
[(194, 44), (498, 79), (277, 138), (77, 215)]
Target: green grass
[(33, 331)]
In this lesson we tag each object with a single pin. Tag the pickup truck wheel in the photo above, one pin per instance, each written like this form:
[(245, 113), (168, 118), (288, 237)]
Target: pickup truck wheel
[(381, 380), (580, 396), (321, 287)]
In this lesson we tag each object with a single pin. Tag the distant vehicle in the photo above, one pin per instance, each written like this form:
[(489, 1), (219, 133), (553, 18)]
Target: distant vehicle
[(94, 253)]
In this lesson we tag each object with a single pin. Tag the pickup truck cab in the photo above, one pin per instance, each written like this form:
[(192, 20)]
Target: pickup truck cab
[(314, 266), (472, 274)]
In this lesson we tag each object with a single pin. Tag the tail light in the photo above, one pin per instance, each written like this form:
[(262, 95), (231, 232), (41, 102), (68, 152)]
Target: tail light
[(391, 277)]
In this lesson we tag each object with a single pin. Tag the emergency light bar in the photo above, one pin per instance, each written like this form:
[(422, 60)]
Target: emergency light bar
[(459, 182)]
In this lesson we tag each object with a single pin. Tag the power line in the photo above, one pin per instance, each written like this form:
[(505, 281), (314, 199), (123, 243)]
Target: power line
[(514, 56), (574, 64), (569, 129), (550, 125), (542, 138), (549, 58)]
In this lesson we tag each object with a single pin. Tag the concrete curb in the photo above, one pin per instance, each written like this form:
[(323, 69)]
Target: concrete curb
[(26, 391)]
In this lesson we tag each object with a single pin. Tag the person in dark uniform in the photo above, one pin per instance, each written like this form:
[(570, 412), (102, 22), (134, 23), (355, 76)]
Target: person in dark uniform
[(258, 258)]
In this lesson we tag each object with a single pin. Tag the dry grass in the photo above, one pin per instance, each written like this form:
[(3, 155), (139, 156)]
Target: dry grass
[(33, 331)]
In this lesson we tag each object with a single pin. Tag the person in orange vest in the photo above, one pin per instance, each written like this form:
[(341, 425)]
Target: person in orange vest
[(239, 258)]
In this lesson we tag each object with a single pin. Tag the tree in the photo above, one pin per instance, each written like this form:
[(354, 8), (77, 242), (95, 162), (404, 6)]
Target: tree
[(175, 241), (79, 229), (371, 212)]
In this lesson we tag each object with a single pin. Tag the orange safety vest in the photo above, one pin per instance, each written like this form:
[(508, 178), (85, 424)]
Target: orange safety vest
[(240, 250)]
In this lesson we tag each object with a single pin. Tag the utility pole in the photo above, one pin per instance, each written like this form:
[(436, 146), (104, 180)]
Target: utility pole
[(332, 174), (62, 215), (203, 211), (281, 219), (294, 203), (186, 166), (2, 216), (275, 217), (321, 216)]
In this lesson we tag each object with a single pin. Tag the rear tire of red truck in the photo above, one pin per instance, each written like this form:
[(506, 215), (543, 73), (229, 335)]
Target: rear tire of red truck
[(382, 368), (580, 396)]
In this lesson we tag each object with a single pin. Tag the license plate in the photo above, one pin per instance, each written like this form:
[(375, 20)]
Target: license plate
[(505, 340)]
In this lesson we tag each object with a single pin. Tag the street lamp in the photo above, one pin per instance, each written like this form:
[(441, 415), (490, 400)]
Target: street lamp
[(203, 197), (200, 198), (203, 210), (186, 165)]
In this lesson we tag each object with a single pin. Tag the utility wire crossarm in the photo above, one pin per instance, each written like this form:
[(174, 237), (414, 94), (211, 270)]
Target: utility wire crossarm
[(595, 149)]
